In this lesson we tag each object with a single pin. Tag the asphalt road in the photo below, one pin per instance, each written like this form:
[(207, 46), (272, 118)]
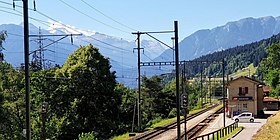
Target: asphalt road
[(246, 134), (250, 129)]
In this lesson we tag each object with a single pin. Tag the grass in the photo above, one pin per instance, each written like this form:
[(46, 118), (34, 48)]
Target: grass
[(229, 135), (245, 72), (270, 130), (122, 137)]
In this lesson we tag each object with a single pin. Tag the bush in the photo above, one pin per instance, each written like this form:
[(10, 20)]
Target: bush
[(156, 120), (87, 136), (172, 113)]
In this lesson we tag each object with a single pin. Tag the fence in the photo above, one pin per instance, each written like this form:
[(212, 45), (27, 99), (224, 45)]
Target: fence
[(216, 135)]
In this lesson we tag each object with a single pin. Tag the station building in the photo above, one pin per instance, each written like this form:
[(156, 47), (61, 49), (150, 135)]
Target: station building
[(244, 94)]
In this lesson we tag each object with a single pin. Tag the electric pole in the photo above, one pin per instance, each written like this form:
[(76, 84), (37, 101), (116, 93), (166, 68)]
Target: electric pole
[(177, 79), (175, 31), (223, 91), (26, 66), (210, 88), (201, 86), (139, 79), (39, 58)]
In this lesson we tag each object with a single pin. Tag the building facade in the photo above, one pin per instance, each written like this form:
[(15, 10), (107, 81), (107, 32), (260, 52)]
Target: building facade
[(244, 95), (270, 103)]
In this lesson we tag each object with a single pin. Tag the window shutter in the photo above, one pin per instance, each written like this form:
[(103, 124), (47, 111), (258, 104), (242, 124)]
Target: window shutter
[(246, 90), (240, 90)]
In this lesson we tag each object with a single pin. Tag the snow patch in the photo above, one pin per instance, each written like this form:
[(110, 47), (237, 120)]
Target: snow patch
[(56, 27)]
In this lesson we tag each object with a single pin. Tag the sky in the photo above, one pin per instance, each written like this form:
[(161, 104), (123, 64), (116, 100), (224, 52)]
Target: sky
[(119, 18)]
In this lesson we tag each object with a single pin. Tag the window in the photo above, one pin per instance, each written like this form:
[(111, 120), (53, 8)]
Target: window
[(244, 107), (239, 107), (246, 90), (240, 90), (243, 90)]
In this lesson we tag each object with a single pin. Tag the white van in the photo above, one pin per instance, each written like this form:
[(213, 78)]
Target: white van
[(244, 117)]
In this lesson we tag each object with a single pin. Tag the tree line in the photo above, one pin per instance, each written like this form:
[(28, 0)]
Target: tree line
[(235, 58)]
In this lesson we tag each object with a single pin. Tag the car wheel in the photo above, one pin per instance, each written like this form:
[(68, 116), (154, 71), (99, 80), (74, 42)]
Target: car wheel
[(236, 120), (251, 120)]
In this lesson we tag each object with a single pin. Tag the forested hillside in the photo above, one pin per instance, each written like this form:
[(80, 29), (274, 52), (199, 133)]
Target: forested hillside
[(235, 58)]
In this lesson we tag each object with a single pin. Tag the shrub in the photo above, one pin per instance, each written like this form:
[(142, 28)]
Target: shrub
[(172, 113)]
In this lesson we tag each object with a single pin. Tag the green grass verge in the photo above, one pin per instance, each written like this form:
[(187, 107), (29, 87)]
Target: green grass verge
[(229, 135), (122, 137)]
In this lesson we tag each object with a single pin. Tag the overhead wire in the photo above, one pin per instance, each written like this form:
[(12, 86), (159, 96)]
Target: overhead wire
[(47, 24), (107, 16), (73, 28), (165, 58), (96, 20), (81, 32)]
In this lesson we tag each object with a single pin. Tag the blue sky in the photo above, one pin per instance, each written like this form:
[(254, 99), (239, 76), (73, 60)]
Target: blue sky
[(144, 15)]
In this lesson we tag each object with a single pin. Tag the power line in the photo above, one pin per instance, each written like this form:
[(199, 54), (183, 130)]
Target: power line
[(15, 34), (46, 23), (157, 54), (73, 29), (10, 12), (81, 32), (92, 17), (64, 26), (107, 16), (159, 41)]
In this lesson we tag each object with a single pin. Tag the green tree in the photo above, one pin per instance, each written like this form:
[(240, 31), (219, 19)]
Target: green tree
[(44, 86), (272, 61), (270, 68), (12, 102), (128, 104), (89, 95), (3, 35)]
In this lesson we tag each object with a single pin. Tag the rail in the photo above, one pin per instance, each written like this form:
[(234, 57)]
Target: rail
[(195, 131), (159, 130)]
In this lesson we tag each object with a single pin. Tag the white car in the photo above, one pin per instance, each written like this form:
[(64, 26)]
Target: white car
[(244, 117)]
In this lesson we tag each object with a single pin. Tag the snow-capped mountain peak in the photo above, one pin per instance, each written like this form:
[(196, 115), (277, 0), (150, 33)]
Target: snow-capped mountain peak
[(57, 27)]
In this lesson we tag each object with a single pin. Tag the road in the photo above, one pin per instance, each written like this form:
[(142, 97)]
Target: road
[(250, 129), (247, 134)]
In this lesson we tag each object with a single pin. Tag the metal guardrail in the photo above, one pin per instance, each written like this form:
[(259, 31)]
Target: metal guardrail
[(216, 135)]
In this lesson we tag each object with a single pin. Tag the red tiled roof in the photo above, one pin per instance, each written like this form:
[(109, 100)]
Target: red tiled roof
[(266, 88), (269, 99)]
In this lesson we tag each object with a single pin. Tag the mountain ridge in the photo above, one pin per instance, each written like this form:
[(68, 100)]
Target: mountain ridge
[(231, 34)]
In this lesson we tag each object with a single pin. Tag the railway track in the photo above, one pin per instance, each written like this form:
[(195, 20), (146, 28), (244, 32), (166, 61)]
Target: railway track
[(196, 130), (159, 130)]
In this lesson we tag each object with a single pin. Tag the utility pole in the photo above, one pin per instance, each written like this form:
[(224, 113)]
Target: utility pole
[(201, 86), (139, 79), (26, 64), (184, 92), (210, 88), (223, 91), (177, 79), (175, 31)]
